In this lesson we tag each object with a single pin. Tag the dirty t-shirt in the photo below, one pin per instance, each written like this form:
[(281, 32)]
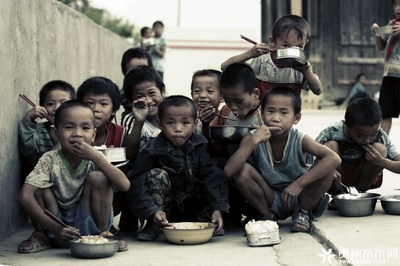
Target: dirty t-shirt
[(54, 171)]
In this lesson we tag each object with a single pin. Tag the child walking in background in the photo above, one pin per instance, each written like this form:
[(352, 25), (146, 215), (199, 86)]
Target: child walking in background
[(173, 178), (158, 50), (34, 137), (288, 31), (365, 149), (103, 96), (269, 168), (389, 95), (74, 183)]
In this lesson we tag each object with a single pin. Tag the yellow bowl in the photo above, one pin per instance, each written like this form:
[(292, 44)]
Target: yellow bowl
[(189, 233)]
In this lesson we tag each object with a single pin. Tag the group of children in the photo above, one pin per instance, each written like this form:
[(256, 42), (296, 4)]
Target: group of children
[(175, 171)]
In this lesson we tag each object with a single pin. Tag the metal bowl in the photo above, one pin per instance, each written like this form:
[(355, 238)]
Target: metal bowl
[(289, 57), (94, 250), (356, 206), (189, 233), (228, 133), (391, 204)]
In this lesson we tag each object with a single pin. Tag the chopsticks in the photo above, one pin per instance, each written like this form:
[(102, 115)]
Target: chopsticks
[(55, 219), (23, 96), (248, 39)]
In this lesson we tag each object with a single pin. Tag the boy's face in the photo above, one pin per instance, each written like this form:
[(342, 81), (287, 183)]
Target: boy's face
[(135, 62), (396, 8), (152, 94), (289, 39), (76, 126), (53, 100), (177, 124), (206, 92), (241, 103), (362, 135), (102, 107), (279, 112), (158, 30)]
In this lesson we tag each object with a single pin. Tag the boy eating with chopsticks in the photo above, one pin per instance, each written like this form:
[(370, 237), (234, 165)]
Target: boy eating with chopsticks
[(74, 183), (34, 135), (269, 168)]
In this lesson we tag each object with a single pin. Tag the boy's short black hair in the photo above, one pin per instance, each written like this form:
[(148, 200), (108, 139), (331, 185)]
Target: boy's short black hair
[(284, 91), (364, 112), (158, 22), (291, 22), (143, 30), (136, 52), (55, 85), (67, 105), (205, 73), (238, 74), (140, 75), (177, 101), (99, 86)]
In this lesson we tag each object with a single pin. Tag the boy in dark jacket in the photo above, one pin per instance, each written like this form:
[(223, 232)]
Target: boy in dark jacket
[(174, 176)]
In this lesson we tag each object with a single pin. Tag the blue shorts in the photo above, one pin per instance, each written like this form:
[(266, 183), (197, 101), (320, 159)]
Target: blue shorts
[(80, 218), (282, 212)]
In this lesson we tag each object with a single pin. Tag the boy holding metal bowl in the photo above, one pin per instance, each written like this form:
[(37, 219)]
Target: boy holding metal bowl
[(290, 34)]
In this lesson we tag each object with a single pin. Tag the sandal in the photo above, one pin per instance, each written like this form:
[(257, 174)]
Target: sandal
[(300, 222), (38, 241), (122, 244)]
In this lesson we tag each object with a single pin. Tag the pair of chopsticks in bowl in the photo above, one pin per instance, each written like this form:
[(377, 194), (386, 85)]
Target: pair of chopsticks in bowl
[(23, 96)]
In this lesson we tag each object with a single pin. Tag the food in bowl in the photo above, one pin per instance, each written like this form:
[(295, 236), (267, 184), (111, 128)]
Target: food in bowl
[(113, 154), (93, 247), (228, 133), (262, 233), (189, 233), (356, 206), (391, 204)]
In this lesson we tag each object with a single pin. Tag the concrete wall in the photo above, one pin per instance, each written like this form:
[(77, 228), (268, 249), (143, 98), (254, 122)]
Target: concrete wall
[(40, 41)]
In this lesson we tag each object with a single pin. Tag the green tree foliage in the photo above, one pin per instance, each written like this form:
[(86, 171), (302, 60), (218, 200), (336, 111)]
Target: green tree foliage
[(102, 17)]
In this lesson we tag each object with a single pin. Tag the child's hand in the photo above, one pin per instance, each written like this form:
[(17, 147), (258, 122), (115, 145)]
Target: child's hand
[(290, 194), (259, 49), (67, 233), (206, 114), (160, 218), (84, 150), (140, 109), (396, 28), (303, 69), (263, 133), (216, 218), (35, 112), (372, 155)]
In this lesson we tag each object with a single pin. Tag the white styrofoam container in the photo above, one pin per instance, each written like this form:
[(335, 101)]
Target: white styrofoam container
[(263, 239)]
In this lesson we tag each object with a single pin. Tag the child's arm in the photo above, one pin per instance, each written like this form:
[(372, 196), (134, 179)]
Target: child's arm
[(374, 157), (28, 201), (312, 79), (114, 175), (247, 145), (255, 51), (379, 41), (140, 111), (328, 161)]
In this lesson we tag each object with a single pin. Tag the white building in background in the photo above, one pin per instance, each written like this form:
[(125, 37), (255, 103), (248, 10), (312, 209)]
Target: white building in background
[(192, 49)]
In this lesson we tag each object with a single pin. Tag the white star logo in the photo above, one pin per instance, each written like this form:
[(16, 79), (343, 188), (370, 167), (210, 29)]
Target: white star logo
[(326, 255)]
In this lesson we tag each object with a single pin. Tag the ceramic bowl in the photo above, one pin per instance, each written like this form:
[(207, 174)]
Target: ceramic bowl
[(189, 233)]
